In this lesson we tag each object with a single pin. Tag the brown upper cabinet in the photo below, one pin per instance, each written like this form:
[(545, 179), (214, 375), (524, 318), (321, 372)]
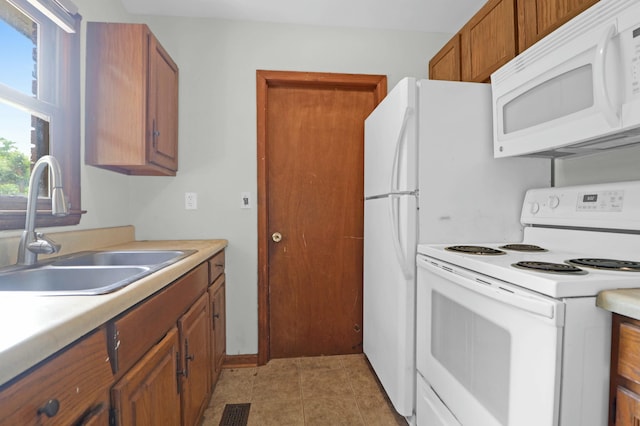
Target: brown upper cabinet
[(499, 31), (446, 64), (131, 101), (488, 40), (537, 18)]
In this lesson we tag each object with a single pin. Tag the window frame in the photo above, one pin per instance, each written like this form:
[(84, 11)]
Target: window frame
[(59, 102)]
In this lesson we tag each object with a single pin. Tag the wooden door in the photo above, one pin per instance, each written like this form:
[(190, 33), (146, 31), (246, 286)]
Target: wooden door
[(311, 177), (148, 393), (196, 368)]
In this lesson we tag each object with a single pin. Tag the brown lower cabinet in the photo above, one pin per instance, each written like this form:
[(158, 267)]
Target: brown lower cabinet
[(218, 335), (195, 374), (71, 387), (154, 364), (148, 393), (624, 390)]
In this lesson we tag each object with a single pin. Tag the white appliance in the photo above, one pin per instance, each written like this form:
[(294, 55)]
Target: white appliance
[(577, 91), (509, 334), (428, 145)]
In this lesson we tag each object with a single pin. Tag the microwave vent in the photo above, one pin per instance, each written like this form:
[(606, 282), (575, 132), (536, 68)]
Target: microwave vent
[(619, 140)]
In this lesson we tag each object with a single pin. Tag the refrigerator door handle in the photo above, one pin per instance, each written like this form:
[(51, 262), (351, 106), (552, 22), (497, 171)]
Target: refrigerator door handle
[(396, 156), (394, 208)]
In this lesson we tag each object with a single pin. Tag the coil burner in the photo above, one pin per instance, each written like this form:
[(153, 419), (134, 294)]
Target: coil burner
[(607, 264), (549, 267), (478, 250), (523, 247)]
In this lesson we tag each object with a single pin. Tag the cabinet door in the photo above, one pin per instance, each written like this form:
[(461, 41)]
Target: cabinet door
[(537, 18), (163, 107), (488, 40), (148, 394), (218, 338), (445, 65), (194, 342), (628, 408)]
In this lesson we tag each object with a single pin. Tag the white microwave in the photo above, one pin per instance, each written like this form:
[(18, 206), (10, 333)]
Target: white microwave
[(577, 91)]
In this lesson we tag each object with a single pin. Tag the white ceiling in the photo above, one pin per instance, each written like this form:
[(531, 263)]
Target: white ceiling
[(446, 16)]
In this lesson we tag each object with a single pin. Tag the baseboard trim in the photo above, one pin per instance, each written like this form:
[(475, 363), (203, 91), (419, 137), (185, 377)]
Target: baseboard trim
[(240, 361)]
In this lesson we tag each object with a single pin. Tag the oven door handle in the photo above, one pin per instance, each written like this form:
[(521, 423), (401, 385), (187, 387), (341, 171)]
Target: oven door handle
[(493, 289)]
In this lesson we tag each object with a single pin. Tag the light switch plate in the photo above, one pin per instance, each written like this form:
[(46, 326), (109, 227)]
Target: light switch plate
[(245, 200)]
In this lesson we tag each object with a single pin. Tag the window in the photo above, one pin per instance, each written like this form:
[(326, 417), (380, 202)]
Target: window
[(39, 105)]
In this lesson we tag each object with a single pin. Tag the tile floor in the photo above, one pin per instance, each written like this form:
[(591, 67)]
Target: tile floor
[(322, 391)]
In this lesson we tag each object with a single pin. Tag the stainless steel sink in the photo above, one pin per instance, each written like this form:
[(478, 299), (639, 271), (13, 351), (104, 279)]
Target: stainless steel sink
[(71, 281), (121, 258), (88, 273)]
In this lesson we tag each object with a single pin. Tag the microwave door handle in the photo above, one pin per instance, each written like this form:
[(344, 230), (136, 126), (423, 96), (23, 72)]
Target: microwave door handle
[(601, 94)]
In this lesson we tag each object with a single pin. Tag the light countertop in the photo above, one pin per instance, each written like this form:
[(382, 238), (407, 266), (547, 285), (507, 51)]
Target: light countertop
[(624, 302), (35, 327)]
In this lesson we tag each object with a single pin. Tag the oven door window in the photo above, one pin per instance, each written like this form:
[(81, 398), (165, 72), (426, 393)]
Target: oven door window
[(478, 357), (490, 351)]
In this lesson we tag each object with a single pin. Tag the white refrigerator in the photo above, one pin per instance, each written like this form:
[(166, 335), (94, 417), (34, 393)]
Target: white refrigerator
[(430, 177)]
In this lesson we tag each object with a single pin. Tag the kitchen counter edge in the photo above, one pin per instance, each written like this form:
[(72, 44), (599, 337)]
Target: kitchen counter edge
[(623, 302), (36, 327)]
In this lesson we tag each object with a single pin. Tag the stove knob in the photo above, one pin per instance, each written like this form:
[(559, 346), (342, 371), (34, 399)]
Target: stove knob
[(535, 207), (554, 201)]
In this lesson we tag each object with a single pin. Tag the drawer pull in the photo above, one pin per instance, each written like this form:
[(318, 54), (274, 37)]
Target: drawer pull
[(50, 408)]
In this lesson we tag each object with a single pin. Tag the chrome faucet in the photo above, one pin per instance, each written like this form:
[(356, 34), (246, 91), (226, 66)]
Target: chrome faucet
[(32, 243)]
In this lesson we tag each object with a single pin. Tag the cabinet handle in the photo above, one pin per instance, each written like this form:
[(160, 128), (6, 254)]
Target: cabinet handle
[(50, 408), (155, 133), (187, 358), (219, 265)]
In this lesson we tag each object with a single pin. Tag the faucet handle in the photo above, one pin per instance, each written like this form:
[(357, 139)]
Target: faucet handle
[(43, 245)]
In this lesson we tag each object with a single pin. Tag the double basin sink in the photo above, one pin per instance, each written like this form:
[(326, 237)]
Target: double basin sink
[(88, 273)]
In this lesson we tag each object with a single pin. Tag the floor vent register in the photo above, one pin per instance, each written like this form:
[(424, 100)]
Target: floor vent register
[(235, 415)]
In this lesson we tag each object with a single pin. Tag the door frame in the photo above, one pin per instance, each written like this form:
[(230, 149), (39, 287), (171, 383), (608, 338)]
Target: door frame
[(377, 84)]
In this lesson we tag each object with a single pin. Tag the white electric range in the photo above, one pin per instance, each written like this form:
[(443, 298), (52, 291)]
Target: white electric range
[(509, 333)]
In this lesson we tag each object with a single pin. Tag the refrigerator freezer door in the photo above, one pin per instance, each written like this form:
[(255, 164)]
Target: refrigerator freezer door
[(467, 196), (389, 296), (390, 148)]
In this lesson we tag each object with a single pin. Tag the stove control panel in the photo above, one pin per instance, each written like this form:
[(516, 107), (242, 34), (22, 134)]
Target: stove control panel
[(608, 206), (600, 201)]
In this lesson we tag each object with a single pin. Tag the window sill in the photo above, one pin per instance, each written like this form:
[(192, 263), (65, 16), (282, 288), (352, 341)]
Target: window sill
[(14, 219)]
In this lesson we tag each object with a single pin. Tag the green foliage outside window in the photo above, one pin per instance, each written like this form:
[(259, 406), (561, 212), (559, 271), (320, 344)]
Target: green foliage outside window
[(15, 168)]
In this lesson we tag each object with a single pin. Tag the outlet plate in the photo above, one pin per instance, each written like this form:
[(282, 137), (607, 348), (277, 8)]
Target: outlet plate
[(190, 200)]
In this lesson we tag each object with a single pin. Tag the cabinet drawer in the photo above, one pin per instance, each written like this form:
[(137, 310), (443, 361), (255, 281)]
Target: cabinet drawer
[(629, 352), (77, 378), (216, 266), (144, 325)]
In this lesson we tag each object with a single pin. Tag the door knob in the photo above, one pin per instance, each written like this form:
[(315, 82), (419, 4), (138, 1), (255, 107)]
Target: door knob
[(276, 237)]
